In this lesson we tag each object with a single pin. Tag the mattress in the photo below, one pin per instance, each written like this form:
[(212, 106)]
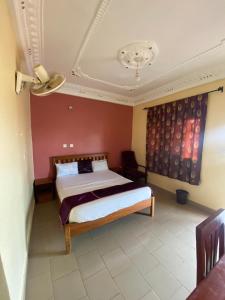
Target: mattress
[(78, 184)]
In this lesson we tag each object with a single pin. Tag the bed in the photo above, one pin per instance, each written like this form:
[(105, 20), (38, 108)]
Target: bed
[(101, 211)]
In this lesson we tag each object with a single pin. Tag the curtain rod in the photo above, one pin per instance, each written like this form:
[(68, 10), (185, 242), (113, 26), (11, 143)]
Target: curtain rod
[(220, 89)]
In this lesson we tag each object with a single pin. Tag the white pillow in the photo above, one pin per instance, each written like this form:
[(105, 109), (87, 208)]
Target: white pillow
[(99, 165), (67, 169)]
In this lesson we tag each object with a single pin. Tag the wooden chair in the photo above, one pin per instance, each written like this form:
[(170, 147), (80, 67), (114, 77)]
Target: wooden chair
[(130, 167), (209, 243)]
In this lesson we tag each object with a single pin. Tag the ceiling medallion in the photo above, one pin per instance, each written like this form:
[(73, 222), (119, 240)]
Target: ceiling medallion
[(138, 55)]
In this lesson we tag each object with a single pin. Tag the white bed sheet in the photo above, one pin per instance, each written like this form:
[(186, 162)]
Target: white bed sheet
[(77, 184)]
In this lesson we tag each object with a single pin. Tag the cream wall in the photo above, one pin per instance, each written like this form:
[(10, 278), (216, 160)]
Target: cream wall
[(16, 171), (211, 191)]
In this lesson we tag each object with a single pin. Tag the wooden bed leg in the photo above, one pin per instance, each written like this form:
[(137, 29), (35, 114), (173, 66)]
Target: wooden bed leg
[(67, 239), (152, 208)]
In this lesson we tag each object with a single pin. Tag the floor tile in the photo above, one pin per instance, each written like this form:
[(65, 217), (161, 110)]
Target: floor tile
[(118, 297), (185, 273), (164, 236), (130, 244), (82, 245), (132, 285), (69, 287), (155, 228), (185, 251), (162, 282), (39, 287), (151, 296), (183, 269), (180, 294), (173, 227), (62, 265), (116, 261), (90, 264), (144, 261), (166, 254), (101, 286), (150, 242), (188, 237), (119, 233), (36, 247), (38, 265), (105, 244), (99, 232), (138, 228)]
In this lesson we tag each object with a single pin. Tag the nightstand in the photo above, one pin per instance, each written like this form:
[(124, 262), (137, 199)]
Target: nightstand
[(43, 190)]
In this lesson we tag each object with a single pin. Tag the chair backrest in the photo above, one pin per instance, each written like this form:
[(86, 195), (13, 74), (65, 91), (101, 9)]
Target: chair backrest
[(129, 160), (209, 243)]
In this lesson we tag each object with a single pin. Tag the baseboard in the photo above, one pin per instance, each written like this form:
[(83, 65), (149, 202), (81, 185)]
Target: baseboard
[(190, 202), (29, 227), (202, 207)]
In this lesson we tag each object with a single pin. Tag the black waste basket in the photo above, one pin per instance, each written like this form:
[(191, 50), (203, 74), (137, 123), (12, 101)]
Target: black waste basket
[(181, 196)]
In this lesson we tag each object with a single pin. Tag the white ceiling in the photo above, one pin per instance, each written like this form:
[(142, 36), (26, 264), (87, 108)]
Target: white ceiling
[(81, 39)]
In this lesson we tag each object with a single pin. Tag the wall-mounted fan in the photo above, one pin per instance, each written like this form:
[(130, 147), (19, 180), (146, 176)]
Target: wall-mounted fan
[(43, 84)]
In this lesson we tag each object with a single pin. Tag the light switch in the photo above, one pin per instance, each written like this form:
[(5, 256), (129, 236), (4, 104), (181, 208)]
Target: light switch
[(64, 145), (71, 145)]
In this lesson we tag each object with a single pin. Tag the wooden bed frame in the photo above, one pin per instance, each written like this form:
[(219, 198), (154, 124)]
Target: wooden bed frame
[(71, 229)]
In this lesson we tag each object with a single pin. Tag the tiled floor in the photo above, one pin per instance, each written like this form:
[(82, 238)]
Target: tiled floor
[(137, 257)]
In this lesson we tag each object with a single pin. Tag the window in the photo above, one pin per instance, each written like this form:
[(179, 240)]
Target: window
[(174, 139)]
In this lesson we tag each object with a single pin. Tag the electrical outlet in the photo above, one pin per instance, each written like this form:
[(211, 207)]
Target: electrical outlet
[(71, 145), (64, 145)]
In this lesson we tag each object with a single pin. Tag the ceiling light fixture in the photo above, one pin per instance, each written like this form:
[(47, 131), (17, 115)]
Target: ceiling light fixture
[(137, 56)]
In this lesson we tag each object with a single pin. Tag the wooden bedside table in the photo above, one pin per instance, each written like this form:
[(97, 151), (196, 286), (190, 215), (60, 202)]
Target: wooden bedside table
[(43, 190)]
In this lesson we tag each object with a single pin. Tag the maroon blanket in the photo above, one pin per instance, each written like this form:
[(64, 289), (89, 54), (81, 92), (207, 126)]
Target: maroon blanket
[(70, 202)]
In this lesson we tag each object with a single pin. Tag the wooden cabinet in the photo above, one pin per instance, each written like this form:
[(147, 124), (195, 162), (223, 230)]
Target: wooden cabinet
[(43, 190)]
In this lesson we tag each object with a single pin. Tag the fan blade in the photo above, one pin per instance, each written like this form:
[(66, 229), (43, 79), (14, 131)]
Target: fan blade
[(55, 82)]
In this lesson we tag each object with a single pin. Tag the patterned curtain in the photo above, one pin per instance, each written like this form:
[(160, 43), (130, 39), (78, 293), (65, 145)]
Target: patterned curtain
[(175, 133)]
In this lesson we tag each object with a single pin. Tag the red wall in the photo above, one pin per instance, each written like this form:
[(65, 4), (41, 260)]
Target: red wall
[(92, 126)]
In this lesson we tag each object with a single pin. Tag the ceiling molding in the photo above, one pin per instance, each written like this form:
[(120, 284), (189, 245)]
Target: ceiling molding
[(29, 16), (101, 11), (85, 92), (30, 28), (171, 87), (196, 57), (185, 82), (99, 16), (76, 69)]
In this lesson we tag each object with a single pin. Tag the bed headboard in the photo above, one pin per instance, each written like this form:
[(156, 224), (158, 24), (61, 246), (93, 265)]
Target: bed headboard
[(75, 157)]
